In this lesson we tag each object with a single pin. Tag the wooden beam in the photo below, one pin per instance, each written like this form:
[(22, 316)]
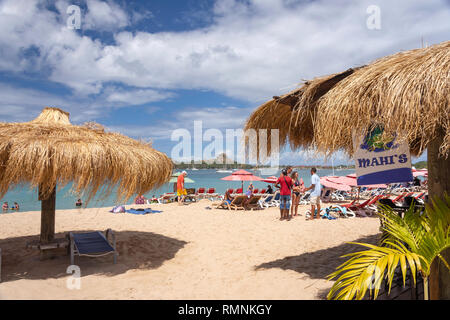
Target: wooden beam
[(438, 185)]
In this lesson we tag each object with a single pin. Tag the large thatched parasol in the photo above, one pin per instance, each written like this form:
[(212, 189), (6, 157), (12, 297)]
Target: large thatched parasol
[(49, 151), (407, 93)]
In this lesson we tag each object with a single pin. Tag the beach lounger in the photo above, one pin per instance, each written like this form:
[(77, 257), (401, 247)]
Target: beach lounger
[(238, 202), (263, 191), (92, 244), (266, 202), (399, 197), (166, 197), (368, 205), (235, 204), (191, 195), (201, 192), (305, 199), (239, 191), (389, 203), (254, 203), (211, 193), (255, 191), (419, 197), (416, 202), (327, 196)]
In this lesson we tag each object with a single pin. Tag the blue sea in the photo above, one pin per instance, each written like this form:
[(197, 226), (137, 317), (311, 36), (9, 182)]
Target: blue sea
[(65, 199)]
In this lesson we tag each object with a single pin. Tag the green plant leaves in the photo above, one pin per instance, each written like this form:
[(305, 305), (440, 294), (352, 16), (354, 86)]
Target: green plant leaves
[(413, 242)]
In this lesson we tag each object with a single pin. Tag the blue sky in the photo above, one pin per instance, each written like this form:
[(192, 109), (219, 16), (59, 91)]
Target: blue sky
[(146, 68)]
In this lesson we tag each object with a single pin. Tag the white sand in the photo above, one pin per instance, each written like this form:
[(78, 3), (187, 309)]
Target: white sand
[(184, 253)]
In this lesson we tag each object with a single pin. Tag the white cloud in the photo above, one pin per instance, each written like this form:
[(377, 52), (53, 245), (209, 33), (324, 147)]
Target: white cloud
[(135, 96), (24, 104), (105, 15), (252, 50)]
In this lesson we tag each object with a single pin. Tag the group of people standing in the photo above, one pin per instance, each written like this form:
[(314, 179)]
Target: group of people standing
[(291, 189), (5, 206)]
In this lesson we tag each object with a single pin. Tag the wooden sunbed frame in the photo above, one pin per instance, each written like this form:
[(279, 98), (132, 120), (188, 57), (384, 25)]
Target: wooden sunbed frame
[(233, 204)]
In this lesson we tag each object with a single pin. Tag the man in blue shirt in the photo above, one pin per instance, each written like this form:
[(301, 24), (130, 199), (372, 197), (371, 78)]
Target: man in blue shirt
[(315, 194)]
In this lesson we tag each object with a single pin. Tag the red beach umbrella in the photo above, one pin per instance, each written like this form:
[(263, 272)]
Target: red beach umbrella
[(420, 172), (328, 183), (242, 175), (271, 179)]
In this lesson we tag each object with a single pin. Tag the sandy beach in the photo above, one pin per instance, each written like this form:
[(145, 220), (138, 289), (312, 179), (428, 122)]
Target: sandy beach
[(185, 252)]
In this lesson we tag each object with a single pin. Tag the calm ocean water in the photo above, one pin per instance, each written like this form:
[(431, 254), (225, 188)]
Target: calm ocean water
[(28, 199)]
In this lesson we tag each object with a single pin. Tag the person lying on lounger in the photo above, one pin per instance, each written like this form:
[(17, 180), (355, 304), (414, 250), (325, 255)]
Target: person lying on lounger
[(227, 197)]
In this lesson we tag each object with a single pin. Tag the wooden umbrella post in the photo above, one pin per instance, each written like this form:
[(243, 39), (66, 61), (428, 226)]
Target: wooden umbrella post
[(438, 186), (48, 217)]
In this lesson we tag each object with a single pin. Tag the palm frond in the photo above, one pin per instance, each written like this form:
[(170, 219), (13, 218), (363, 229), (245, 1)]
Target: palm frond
[(411, 242), (367, 269)]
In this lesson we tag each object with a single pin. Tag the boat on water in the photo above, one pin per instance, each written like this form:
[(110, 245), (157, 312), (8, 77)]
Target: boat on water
[(224, 171), (194, 169)]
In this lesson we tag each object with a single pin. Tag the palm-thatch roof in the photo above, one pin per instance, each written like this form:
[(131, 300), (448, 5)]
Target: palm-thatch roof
[(49, 151), (408, 93)]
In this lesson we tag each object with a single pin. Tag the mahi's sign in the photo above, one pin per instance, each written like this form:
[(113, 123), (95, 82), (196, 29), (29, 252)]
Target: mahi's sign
[(380, 159)]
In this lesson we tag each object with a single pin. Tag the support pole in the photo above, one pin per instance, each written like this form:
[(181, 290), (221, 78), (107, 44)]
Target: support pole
[(439, 185), (48, 217)]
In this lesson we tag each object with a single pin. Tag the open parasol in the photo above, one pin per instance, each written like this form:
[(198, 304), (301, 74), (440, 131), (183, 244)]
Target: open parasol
[(49, 151)]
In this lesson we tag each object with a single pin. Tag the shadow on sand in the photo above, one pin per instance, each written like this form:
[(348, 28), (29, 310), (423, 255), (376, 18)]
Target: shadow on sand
[(319, 264), (137, 250)]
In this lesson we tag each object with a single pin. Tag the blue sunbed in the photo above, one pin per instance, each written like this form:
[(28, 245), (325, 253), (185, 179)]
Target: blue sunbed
[(92, 244)]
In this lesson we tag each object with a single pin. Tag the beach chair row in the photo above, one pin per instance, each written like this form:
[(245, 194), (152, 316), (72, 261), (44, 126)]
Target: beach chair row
[(240, 191), (242, 202), (192, 194), (371, 205)]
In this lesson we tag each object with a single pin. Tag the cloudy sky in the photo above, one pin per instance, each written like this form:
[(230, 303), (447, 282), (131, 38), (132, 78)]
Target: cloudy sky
[(146, 68)]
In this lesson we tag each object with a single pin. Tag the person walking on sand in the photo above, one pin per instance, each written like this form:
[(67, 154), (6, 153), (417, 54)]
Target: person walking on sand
[(181, 191), (284, 182), (315, 194)]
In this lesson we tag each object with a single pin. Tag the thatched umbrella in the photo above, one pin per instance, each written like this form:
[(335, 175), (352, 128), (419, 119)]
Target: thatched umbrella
[(49, 151), (407, 93)]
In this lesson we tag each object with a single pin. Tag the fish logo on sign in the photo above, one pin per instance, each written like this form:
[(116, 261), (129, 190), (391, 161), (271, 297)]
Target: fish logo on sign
[(375, 141)]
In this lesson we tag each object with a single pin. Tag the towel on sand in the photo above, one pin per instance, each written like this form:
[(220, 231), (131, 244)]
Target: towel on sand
[(142, 211)]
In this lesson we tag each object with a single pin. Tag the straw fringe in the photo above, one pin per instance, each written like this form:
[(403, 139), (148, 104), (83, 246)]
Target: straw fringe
[(49, 152)]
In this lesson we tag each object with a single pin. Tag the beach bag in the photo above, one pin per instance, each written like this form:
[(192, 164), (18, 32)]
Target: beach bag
[(118, 209)]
